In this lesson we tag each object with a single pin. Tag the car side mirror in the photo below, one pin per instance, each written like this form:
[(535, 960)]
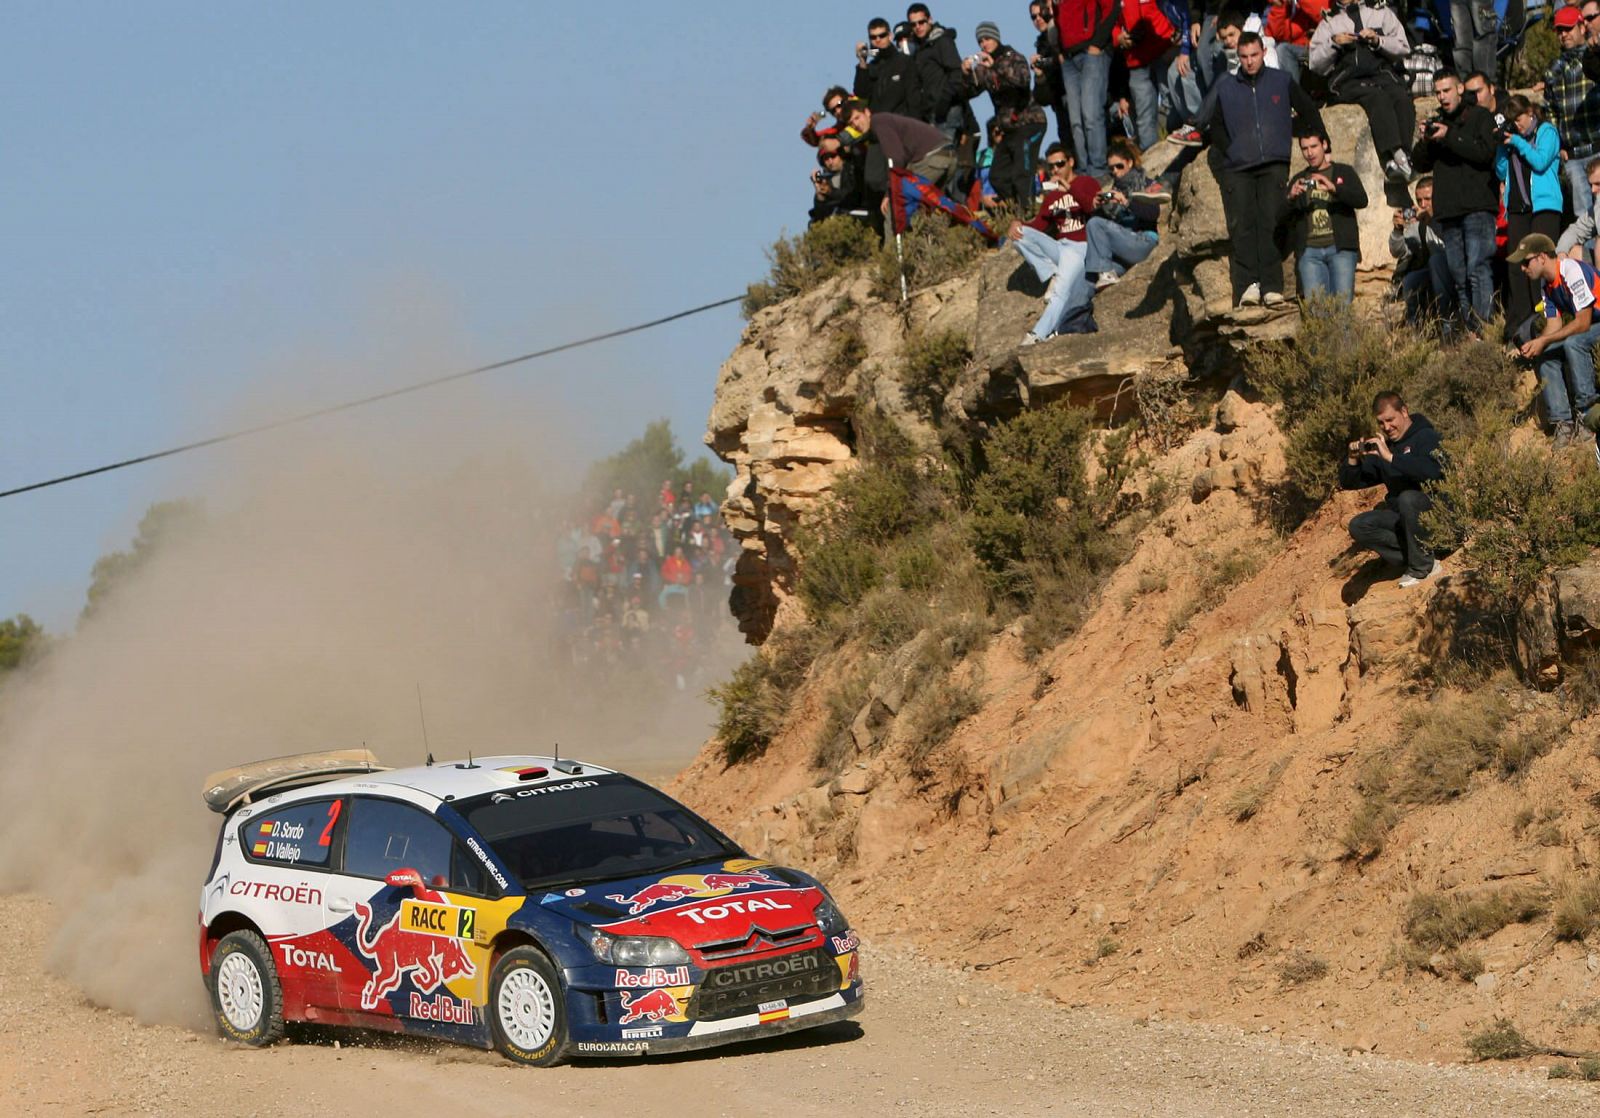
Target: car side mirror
[(403, 877)]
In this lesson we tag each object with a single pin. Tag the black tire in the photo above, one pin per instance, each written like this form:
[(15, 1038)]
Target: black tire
[(527, 1009), (246, 997)]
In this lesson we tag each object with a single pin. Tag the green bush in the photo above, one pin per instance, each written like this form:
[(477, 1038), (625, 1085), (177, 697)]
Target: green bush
[(837, 573), (1516, 512), (1530, 61), (888, 617), (930, 365), (1326, 378), (834, 743), (750, 710), (804, 262), (933, 250), (846, 350), (1502, 1040)]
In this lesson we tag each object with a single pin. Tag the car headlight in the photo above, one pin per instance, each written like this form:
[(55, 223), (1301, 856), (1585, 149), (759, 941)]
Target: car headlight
[(831, 920), (636, 951)]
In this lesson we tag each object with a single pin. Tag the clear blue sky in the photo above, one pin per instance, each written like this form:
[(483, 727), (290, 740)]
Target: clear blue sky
[(194, 197)]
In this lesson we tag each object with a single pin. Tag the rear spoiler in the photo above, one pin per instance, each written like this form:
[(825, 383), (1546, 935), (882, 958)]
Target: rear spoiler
[(225, 790)]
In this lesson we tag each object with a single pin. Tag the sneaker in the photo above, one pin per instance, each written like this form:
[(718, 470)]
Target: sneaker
[(1411, 580), (1106, 279), (1251, 296), (1566, 431), (1591, 418), (1402, 162), (1186, 137), (1155, 191), (1392, 172), (1273, 299), (1028, 339)]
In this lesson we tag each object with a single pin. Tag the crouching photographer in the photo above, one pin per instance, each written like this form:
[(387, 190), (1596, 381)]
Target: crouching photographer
[(1402, 457), (837, 184)]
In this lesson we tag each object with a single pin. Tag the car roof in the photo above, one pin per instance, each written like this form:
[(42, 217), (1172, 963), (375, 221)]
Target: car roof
[(456, 780)]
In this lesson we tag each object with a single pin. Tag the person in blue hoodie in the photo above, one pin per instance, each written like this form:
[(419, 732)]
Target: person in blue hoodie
[(1528, 165), (1403, 457)]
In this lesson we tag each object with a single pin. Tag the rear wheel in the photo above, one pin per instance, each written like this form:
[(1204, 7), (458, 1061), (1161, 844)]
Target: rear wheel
[(526, 1008), (246, 997)]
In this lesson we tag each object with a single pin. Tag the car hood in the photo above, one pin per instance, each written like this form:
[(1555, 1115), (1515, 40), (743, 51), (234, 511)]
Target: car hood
[(705, 903)]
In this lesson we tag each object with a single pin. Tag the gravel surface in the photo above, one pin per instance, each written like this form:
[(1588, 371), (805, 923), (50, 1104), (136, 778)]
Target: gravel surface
[(931, 1042)]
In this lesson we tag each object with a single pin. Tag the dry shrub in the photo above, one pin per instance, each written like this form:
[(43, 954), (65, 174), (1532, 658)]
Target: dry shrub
[(834, 743), (846, 350), (1161, 399), (1300, 968), (888, 617), (1577, 910), (751, 709), (931, 251), (1244, 803), (1221, 574), (1502, 1040), (1450, 739), (801, 263), (934, 715), (931, 364), (1441, 921)]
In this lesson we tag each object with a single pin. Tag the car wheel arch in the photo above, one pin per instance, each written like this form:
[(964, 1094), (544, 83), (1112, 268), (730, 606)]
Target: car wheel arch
[(223, 924)]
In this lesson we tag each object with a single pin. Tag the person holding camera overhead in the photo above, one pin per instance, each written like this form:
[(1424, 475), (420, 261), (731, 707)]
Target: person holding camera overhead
[(1528, 165), (1401, 458), (1323, 200)]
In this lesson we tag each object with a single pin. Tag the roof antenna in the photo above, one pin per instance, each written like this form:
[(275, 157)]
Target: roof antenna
[(423, 719)]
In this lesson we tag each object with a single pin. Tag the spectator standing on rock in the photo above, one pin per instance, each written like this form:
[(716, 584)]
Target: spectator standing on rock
[(1582, 231), (1323, 200), (1565, 348), (1420, 274), (1477, 32), (1458, 146), (1527, 163), (1358, 48), (1046, 62), (1292, 23), (1055, 241), (1402, 458), (1146, 42), (1253, 115), (938, 62), (1006, 77), (886, 79), (1572, 104), (1085, 29)]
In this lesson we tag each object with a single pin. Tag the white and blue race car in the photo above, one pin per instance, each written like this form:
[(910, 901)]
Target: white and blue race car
[(546, 908)]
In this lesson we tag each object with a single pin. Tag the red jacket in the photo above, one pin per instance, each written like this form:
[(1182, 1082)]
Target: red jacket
[(1085, 23), (1293, 21), (1149, 28), (1064, 214)]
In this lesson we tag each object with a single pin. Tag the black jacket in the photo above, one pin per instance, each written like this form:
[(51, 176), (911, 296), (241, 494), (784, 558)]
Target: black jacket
[(1048, 87), (848, 192), (1462, 164), (938, 63), (1348, 197), (1416, 460), (890, 84)]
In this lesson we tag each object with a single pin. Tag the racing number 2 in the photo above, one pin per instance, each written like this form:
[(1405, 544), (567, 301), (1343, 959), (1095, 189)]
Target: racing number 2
[(466, 922), (333, 817)]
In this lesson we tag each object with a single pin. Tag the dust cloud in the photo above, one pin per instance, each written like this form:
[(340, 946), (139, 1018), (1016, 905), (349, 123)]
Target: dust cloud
[(336, 568)]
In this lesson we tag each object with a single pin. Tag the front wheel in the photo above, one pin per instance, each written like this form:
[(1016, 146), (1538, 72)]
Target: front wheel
[(526, 1008), (246, 998)]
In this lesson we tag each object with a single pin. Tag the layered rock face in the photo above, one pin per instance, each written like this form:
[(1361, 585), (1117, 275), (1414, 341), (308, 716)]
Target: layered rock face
[(783, 410)]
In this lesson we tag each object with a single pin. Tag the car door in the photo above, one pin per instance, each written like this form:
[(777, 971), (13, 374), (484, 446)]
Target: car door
[(288, 854), (415, 905)]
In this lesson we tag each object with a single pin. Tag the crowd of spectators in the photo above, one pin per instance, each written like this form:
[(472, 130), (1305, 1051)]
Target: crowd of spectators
[(1493, 196), (645, 585)]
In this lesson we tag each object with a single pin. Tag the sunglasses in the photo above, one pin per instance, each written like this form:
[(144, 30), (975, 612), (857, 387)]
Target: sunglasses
[(1591, 17), (1117, 166), (878, 36), (830, 155), (919, 23), (1057, 164)]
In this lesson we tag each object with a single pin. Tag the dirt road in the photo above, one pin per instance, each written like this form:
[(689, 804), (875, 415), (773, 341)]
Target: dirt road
[(932, 1042)]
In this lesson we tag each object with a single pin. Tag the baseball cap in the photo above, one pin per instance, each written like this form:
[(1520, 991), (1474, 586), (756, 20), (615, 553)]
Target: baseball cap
[(1532, 243), (1567, 17)]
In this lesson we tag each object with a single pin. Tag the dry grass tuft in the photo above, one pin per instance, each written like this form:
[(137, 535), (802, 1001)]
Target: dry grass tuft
[(1300, 968), (1440, 921), (1577, 910), (1502, 1040)]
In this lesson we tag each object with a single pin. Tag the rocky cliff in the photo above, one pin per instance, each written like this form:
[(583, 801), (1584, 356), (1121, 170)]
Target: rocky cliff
[(1165, 812)]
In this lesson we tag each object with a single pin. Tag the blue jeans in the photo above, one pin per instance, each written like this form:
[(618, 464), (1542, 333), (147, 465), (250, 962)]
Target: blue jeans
[(1326, 270), (1143, 82), (1468, 249), (1048, 256), (1582, 196), (1087, 78), (1111, 244), (1575, 357), (1183, 93), (1428, 291), (1291, 58)]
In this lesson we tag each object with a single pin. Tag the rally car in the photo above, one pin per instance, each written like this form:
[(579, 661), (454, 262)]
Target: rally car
[(546, 908)]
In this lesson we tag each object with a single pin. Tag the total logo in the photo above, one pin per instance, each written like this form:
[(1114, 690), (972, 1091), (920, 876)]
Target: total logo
[(684, 885), (308, 960), (723, 911)]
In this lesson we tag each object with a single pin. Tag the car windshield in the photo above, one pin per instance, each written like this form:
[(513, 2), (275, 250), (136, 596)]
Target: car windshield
[(591, 829)]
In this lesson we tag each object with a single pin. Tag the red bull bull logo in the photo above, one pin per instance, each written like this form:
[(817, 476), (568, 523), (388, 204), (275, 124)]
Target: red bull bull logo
[(657, 1005), (682, 886), (430, 959)]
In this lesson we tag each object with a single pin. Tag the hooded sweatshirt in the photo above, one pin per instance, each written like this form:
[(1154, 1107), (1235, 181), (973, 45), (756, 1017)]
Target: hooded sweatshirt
[(1416, 460)]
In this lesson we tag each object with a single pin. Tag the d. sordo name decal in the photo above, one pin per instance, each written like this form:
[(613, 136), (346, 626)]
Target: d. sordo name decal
[(451, 1011)]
